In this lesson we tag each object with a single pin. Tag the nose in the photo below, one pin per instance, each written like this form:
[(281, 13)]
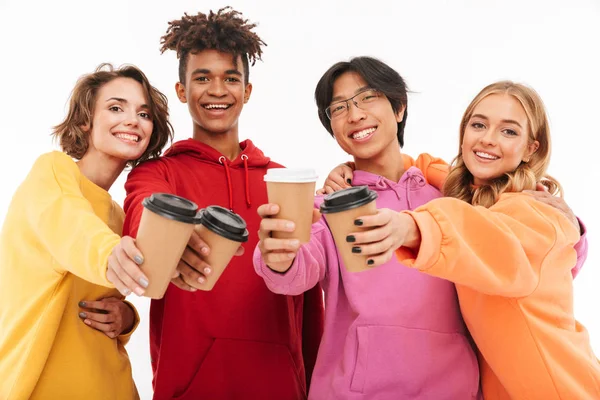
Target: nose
[(131, 119), (488, 138), (355, 114), (217, 88)]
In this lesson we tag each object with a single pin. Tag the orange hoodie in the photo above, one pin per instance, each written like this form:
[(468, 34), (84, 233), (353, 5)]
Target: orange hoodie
[(512, 267)]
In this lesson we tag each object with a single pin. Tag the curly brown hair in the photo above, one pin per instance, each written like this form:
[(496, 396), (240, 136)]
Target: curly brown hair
[(226, 31), (74, 140)]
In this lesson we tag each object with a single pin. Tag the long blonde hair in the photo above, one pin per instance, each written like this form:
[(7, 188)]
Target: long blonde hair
[(459, 183)]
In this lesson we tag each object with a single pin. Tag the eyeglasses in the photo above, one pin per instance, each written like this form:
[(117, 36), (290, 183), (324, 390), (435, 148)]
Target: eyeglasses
[(362, 100)]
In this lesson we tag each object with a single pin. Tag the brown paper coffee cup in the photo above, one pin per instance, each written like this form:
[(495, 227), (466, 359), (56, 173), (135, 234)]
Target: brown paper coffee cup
[(293, 190), (341, 209), (224, 232), (165, 228)]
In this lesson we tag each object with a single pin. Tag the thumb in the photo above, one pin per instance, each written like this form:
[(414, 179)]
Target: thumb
[(316, 215), (240, 251), (128, 245)]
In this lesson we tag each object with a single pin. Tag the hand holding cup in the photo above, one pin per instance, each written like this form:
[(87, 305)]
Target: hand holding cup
[(123, 268), (221, 233), (192, 269), (278, 253), (387, 231)]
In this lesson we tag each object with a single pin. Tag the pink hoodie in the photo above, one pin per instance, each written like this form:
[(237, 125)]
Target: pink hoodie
[(390, 332)]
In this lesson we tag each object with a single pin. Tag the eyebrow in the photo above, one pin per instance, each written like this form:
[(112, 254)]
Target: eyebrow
[(336, 98), (121, 100), (207, 71), (506, 121)]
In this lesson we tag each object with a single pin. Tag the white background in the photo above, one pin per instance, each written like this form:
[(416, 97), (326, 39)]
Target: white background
[(447, 51)]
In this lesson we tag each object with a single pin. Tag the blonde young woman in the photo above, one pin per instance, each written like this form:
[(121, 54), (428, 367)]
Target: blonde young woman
[(64, 268), (510, 255)]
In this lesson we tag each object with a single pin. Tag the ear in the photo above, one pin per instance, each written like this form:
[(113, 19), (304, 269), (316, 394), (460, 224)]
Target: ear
[(247, 92), (180, 90), (531, 148), (400, 114)]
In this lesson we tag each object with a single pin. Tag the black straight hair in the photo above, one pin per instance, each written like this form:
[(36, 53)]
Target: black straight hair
[(377, 74)]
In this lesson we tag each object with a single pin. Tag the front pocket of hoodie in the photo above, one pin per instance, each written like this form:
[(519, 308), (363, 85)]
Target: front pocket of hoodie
[(246, 369), (414, 363)]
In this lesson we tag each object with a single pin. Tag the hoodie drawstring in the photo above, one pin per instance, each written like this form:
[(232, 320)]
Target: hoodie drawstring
[(414, 181), (224, 163), (245, 159), (383, 184)]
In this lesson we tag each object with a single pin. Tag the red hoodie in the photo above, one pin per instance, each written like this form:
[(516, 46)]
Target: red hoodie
[(240, 340)]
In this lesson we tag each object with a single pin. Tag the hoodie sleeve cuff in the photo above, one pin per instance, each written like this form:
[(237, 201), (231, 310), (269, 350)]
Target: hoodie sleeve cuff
[(124, 338), (581, 248), (429, 251), (278, 282)]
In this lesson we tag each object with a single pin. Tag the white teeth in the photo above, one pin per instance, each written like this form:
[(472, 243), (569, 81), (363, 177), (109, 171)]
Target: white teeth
[(486, 155), (127, 136), (363, 134), (213, 106)]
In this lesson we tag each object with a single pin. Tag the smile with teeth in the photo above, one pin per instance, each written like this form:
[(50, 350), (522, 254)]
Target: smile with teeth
[(127, 136), (487, 156), (362, 134), (216, 106)]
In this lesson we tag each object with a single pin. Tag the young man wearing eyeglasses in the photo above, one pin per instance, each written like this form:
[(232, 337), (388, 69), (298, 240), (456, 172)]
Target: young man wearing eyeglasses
[(240, 340), (390, 332)]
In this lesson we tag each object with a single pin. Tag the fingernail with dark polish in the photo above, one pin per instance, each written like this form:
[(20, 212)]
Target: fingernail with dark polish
[(358, 222), (82, 315), (356, 249), (350, 238), (349, 181), (82, 304), (370, 262), (138, 259)]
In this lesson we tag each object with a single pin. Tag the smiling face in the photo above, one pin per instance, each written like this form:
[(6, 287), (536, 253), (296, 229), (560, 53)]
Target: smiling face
[(214, 91), (121, 123), (496, 138), (368, 131)]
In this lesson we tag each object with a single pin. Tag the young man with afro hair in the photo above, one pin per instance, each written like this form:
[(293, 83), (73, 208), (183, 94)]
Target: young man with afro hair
[(240, 340)]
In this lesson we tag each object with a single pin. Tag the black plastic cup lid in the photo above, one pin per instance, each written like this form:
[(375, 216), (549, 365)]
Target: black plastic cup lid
[(173, 207), (224, 223), (347, 199)]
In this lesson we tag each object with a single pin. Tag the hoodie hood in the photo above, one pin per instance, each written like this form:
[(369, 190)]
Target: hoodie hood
[(410, 185), (253, 156), (413, 176), (249, 158)]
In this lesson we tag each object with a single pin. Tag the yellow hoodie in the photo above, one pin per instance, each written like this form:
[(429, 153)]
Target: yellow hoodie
[(512, 267), (59, 231)]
